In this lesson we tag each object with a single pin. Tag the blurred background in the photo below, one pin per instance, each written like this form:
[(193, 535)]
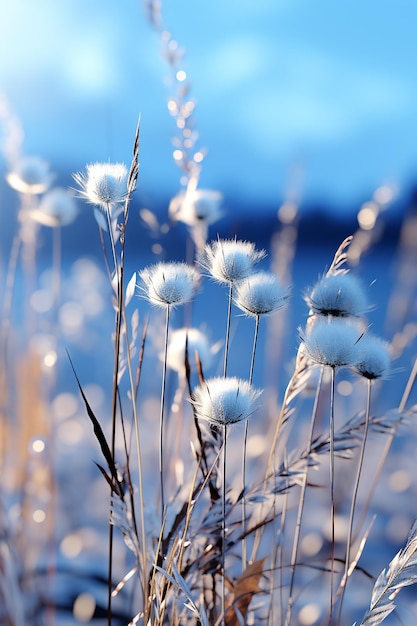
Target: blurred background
[(279, 85), (303, 116)]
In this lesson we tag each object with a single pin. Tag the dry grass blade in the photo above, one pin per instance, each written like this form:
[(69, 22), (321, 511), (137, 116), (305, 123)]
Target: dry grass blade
[(98, 431), (124, 581), (340, 257), (402, 572)]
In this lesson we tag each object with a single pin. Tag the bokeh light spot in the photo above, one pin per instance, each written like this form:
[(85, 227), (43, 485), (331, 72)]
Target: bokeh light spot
[(84, 607), (308, 614)]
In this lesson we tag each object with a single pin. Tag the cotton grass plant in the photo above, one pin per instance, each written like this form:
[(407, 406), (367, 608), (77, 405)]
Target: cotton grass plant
[(191, 564), (330, 340), (227, 546)]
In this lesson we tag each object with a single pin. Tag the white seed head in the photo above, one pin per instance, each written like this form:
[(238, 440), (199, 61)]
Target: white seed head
[(339, 295), (334, 343), (57, 208), (196, 207), (225, 400), (103, 184), (169, 284), (260, 294), (374, 361), (31, 175), (228, 260)]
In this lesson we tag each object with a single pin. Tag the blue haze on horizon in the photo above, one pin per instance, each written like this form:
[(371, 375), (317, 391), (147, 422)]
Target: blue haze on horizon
[(330, 86)]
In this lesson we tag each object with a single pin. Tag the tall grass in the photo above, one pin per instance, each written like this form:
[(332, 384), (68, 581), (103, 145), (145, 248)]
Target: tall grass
[(188, 566), (223, 503)]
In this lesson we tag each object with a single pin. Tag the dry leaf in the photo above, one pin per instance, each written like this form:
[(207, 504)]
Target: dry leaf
[(245, 587)]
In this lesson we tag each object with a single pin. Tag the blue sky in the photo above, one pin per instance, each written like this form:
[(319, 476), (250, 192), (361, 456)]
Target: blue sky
[(328, 85)]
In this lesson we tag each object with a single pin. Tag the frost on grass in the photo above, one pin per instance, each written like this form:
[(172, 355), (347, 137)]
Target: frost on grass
[(103, 184), (374, 361), (230, 260), (169, 284), (339, 295), (260, 294), (334, 343), (225, 400), (401, 572)]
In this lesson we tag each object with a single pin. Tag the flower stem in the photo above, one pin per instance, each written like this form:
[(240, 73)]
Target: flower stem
[(245, 442), (161, 417), (347, 573), (229, 313), (301, 503), (332, 505), (223, 544)]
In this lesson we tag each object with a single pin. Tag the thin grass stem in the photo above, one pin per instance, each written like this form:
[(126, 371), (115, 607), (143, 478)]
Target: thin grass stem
[(113, 248), (161, 415), (332, 502), (223, 539), (119, 272), (227, 341), (384, 455), (139, 455), (347, 571), (296, 540), (245, 443)]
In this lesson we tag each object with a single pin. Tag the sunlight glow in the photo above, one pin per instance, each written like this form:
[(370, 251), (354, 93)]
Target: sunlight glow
[(287, 212), (367, 215), (344, 388), (384, 194), (39, 516), (84, 607), (38, 446), (41, 301), (71, 545), (311, 544), (64, 405), (50, 358), (309, 614), (181, 75), (399, 481)]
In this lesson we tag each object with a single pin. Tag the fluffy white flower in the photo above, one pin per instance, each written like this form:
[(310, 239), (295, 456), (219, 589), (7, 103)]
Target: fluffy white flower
[(225, 400), (169, 284), (229, 260), (196, 206), (103, 184), (57, 208), (334, 343), (339, 295), (31, 175), (260, 294), (374, 361)]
